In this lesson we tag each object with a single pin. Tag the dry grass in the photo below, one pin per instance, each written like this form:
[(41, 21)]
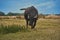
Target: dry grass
[(46, 29), (52, 17)]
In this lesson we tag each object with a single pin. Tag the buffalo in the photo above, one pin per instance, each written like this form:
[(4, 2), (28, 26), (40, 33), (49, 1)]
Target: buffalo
[(31, 16)]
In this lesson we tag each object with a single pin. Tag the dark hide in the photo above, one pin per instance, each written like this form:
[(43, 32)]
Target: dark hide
[(31, 16)]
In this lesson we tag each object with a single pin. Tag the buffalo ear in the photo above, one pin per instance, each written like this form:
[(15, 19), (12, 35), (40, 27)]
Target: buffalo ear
[(23, 9), (20, 9)]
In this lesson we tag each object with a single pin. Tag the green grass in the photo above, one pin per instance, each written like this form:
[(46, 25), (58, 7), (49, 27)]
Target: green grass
[(46, 29), (12, 29)]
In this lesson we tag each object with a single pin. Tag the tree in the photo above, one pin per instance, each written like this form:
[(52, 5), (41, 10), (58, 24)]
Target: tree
[(2, 13), (10, 14), (13, 14), (42, 15)]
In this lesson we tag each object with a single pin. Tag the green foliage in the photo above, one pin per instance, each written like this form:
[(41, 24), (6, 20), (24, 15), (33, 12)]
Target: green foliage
[(2, 13), (12, 29), (13, 14)]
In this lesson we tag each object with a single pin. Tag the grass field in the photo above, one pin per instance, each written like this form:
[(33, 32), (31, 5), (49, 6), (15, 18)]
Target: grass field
[(46, 29)]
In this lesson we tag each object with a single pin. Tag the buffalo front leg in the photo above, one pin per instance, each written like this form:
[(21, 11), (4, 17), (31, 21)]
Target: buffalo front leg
[(34, 23), (26, 23)]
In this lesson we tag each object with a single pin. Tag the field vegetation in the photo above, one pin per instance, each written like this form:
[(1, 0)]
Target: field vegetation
[(15, 29)]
